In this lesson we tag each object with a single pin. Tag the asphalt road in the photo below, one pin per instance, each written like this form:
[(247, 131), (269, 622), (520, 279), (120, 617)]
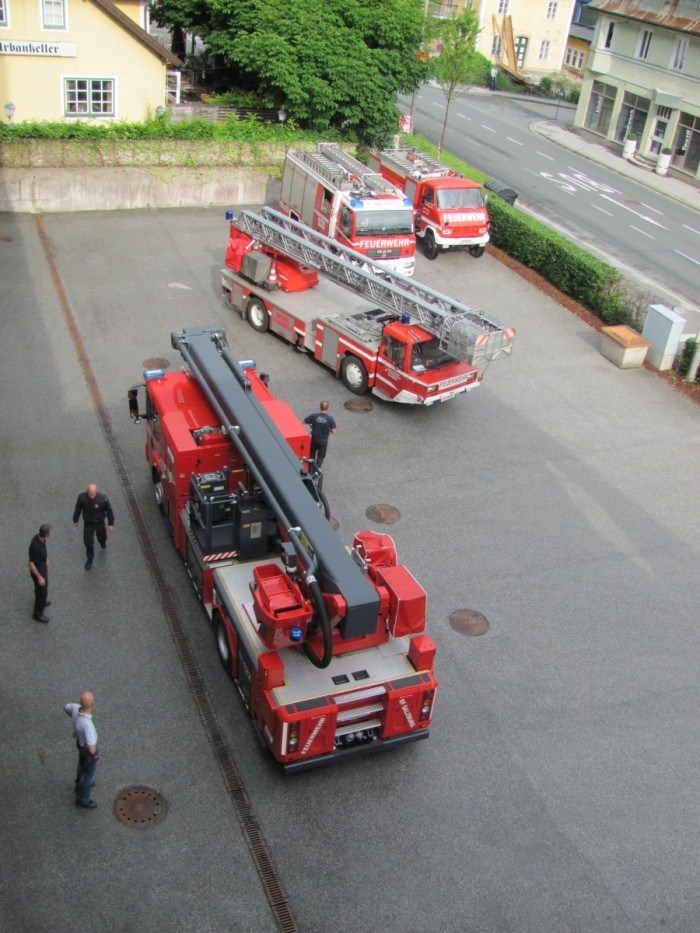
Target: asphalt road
[(558, 789), (652, 237)]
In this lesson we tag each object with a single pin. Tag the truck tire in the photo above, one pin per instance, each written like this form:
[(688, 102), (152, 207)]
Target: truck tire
[(158, 492), (430, 247), (477, 251), (223, 648), (354, 375), (257, 314)]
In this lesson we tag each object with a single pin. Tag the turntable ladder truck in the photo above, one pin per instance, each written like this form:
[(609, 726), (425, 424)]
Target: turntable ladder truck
[(393, 335), (337, 195), (325, 644)]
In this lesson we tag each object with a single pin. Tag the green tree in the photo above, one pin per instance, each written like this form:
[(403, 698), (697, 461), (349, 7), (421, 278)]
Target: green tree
[(457, 62), (326, 62)]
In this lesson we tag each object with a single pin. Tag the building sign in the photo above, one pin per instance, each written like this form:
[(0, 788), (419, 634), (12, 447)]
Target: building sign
[(28, 47)]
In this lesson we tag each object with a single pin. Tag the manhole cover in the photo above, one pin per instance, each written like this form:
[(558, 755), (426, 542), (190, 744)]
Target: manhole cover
[(6, 239), (156, 362), (383, 514), (359, 405), (468, 622), (140, 806), (334, 523)]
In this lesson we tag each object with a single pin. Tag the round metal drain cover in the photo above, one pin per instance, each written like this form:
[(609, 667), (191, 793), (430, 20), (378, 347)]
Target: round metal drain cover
[(334, 523), (359, 405), (156, 362), (140, 806), (468, 622), (383, 514), (6, 239)]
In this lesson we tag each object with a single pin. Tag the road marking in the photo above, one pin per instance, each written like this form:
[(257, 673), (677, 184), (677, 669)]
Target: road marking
[(649, 220), (602, 210), (545, 156), (464, 116), (489, 128), (650, 208), (632, 227), (692, 229), (689, 258), (516, 141)]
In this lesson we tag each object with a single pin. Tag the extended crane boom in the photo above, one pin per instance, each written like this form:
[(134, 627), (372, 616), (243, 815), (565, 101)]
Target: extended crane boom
[(464, 333)]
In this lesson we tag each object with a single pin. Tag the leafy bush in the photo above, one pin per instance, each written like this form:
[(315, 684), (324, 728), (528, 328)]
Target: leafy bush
[(687, 357)]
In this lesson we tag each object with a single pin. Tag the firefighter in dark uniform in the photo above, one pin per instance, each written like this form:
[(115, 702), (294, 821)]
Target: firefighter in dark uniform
[(322, 425), (95, 507)]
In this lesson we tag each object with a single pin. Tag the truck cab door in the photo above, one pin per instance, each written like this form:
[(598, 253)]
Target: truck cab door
[(391, 362)]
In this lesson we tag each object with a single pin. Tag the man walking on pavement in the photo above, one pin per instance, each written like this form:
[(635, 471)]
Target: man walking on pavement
[(39, 572), (322, 426), (94, 506), (86, 741)]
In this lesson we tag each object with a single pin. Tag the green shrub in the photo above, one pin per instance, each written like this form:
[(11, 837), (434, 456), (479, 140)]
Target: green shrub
[(687, 357)]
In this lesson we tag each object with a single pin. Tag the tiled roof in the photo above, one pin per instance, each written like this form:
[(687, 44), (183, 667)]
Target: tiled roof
[(680, 16)]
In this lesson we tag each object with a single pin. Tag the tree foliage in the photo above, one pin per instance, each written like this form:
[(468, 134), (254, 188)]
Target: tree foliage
[(326, 62), (457, 61)]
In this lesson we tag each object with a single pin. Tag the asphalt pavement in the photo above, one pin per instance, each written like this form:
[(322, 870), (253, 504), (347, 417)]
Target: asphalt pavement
[(558, 788)]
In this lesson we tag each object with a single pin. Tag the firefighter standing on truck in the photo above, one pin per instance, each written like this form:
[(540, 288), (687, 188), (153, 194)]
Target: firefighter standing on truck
[(95, 507), (322, 426)]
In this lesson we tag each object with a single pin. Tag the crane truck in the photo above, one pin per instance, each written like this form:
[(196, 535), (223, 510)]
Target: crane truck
[(339, 196), (378, 330), (450, 209), (326, 644)]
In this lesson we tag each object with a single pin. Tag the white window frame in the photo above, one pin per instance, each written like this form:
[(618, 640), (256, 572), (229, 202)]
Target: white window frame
[(552, 9), (545, 50), (644, 44), (503, 7), (496, 46), (679, 54), (574, 58), (609, 33), (54, 5), (4, 14), (88, 90)]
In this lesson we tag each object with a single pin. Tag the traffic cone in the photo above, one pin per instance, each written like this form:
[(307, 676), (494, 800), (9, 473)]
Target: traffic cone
[(272, 277)]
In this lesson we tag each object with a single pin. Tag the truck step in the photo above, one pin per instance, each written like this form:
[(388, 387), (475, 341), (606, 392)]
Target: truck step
[(366, 694), (358, 727), (345, 715)]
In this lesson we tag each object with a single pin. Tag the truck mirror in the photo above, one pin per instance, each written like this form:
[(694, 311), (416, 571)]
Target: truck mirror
[(133, 397)]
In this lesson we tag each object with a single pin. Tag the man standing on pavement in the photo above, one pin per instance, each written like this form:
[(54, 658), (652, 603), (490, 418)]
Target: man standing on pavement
[(86, 741), (322, 426), (94, 506), (39, 572)]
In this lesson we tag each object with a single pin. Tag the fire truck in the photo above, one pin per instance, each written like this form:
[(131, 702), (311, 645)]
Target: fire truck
[(325, 644), (450, 209), (333, 193), (380, 331)]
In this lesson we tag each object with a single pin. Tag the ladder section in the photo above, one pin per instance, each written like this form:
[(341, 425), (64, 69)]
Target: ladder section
[(466, 334), (373, 181), (412, 162)]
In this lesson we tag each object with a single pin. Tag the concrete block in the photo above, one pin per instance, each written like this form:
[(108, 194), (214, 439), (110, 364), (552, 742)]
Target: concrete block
[(623, 346)]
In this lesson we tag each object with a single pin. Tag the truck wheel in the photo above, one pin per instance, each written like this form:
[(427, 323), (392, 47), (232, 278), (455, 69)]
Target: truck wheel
[(158, 492), (354, 375), (477, 251), (430, 247), (223, 648), (258, 318)]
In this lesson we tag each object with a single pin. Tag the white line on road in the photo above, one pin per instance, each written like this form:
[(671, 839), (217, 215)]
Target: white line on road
[(650, 208), (516, 141), (632, 227), (545, 156), (464, 116), (689, 258), (692, 229), (602, 210), (649, 220), (489, 128)]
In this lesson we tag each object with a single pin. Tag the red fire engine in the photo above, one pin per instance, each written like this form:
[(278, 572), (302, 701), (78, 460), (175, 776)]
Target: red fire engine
[(450, 209), (380, 331), (325, 644), (340, 197)]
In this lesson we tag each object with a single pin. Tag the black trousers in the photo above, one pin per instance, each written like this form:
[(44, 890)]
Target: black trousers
[(40, 594), (89, 533), (318, 453)]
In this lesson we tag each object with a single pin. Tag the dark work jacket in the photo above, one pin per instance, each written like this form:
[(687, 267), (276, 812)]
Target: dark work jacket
[(38, 555), (94, 511)]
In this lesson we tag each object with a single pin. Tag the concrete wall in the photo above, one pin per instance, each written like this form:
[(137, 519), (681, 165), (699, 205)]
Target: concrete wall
[(88, 175)]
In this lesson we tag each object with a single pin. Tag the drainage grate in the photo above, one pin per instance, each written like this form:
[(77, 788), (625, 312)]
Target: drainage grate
[(383, 514), (140, 806), (156, 362), (469, 622), (359, 406)]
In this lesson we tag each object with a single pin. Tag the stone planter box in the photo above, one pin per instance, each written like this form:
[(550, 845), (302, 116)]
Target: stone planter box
[(623, 346)]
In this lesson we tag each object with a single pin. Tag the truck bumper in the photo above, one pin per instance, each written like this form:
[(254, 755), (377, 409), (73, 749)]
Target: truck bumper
[(465, 241), (366, 748)]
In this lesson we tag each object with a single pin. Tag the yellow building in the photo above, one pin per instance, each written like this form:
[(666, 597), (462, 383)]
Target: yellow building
[(80, 60)]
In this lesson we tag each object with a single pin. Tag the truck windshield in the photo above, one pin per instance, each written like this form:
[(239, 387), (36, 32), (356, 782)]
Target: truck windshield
[(429, 355), (450, 198), (384, 223)]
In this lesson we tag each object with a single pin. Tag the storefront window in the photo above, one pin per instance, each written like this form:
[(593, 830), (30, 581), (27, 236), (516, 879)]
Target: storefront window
[(600, 107), (686, 146), (633, 116)]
